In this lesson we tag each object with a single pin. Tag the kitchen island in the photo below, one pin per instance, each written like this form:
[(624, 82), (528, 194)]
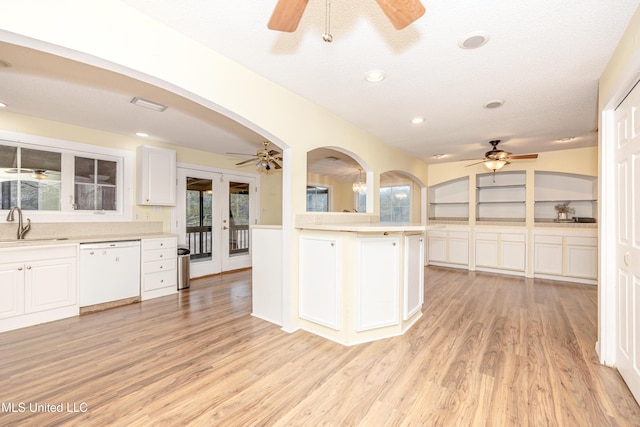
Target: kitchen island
[(360, 281)]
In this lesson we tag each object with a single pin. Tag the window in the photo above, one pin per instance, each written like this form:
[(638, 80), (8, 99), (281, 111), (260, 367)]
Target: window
[(395, 204), (58, 180), (95, 184), (317, 199), (361, 202), (30, 178)]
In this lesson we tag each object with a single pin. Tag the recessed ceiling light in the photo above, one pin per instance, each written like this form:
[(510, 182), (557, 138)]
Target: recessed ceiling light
[(438, 156), (417, 120), (474, 40), (495, 103), (569, 139), (2, 105), (148, 104), (142, 134), (375, 76)]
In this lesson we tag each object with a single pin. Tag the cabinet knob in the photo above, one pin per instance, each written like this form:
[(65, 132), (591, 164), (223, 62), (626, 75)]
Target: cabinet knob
[(19, 268), (333, 244), (394, 243), (161, 255), (28, 267)]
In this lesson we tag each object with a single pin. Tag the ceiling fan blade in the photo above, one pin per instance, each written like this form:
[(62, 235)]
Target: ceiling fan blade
[(477, 163), (523, 156), (401, 12), (246, 161), (287, 15), (277, 165)]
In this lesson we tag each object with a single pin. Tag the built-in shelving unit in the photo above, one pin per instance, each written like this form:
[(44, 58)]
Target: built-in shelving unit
[(555, 188), (450, 200), (501, 197)]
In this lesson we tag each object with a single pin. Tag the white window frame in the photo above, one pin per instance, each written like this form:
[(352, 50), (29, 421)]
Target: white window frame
[(329, 195), (69, 150), (399, 184)]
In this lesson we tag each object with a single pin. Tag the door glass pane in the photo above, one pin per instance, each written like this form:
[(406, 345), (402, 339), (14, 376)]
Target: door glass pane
[(238, 218), (199, 218)]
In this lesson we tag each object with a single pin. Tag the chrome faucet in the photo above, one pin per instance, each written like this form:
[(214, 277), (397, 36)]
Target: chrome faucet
[(21, 230)]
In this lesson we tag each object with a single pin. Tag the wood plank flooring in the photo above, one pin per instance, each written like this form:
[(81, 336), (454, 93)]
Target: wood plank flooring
[(490, 350)]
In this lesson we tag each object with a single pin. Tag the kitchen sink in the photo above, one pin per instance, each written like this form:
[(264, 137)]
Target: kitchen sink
[(50, 239)]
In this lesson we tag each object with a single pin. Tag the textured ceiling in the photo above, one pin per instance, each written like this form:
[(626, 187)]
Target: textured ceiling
[(543, 59)]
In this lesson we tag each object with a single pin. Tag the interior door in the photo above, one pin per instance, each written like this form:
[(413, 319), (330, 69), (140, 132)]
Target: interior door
[(627, 159), (238, 213)]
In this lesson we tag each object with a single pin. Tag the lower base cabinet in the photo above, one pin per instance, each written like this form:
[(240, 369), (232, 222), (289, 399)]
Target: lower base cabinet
[(570, 257), (360, 287), (159, 267), (448, 248), (38, 284), (501, 251)]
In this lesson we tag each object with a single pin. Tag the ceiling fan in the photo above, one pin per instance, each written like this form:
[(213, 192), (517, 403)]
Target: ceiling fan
[(495, 158), (287, 13), (266, 160)]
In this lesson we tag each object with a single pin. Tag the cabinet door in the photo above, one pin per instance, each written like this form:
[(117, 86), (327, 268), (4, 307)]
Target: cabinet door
[(156, 176), (11, 290), (50, 284), (512, 252), (486, 251), (437, 249), (582, 261), (547, 258), (378, 282), (458, 249), (319, 297), (413, 275)]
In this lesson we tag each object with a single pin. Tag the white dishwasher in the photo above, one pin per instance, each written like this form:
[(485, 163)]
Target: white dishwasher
[(109, 271)]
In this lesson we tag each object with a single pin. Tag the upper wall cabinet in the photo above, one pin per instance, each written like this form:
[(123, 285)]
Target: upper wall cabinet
[(578, 194), (156, 176), (501, 197), (450, 200)]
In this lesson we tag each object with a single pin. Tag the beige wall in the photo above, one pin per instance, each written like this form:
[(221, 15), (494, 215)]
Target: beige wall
[(271, 186)]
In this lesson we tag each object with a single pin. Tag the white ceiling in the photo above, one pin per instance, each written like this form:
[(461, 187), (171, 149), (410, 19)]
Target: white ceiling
[(543, 58)]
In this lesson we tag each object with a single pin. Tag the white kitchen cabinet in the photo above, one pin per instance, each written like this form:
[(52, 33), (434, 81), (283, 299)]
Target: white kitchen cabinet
[(38, 284), (355, 284), (320, 290), (449, 248), (414, 275), (566, 256), (156, 176), (501, 252), (159, 267), (378, 282)]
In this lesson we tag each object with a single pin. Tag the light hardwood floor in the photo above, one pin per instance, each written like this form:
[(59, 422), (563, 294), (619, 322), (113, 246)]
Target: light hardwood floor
[(490, 350)]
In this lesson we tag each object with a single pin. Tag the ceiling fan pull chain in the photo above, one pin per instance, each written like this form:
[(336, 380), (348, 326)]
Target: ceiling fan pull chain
[(327, 29)]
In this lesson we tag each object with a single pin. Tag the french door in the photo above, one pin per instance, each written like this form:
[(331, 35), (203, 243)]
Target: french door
[(627, 161), (214, 212)]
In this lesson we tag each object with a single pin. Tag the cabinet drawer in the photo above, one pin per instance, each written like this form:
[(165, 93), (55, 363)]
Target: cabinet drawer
[(512, 237), (162, 243), (581, 241), (458, 235), (159, 254), (487, 236), (552, 240), (157, 266), (159, 280)]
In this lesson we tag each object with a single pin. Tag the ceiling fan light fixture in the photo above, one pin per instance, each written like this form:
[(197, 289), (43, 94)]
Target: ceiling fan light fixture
[(495, 164), (474, 40), (375, 76)]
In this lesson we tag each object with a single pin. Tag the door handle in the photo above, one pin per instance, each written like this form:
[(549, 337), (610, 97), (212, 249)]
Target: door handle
[(626, 259), (225, 227)]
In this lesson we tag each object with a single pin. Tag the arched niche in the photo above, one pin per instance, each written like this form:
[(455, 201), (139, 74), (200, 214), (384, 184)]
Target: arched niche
[(331, 175), (402, 198)]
